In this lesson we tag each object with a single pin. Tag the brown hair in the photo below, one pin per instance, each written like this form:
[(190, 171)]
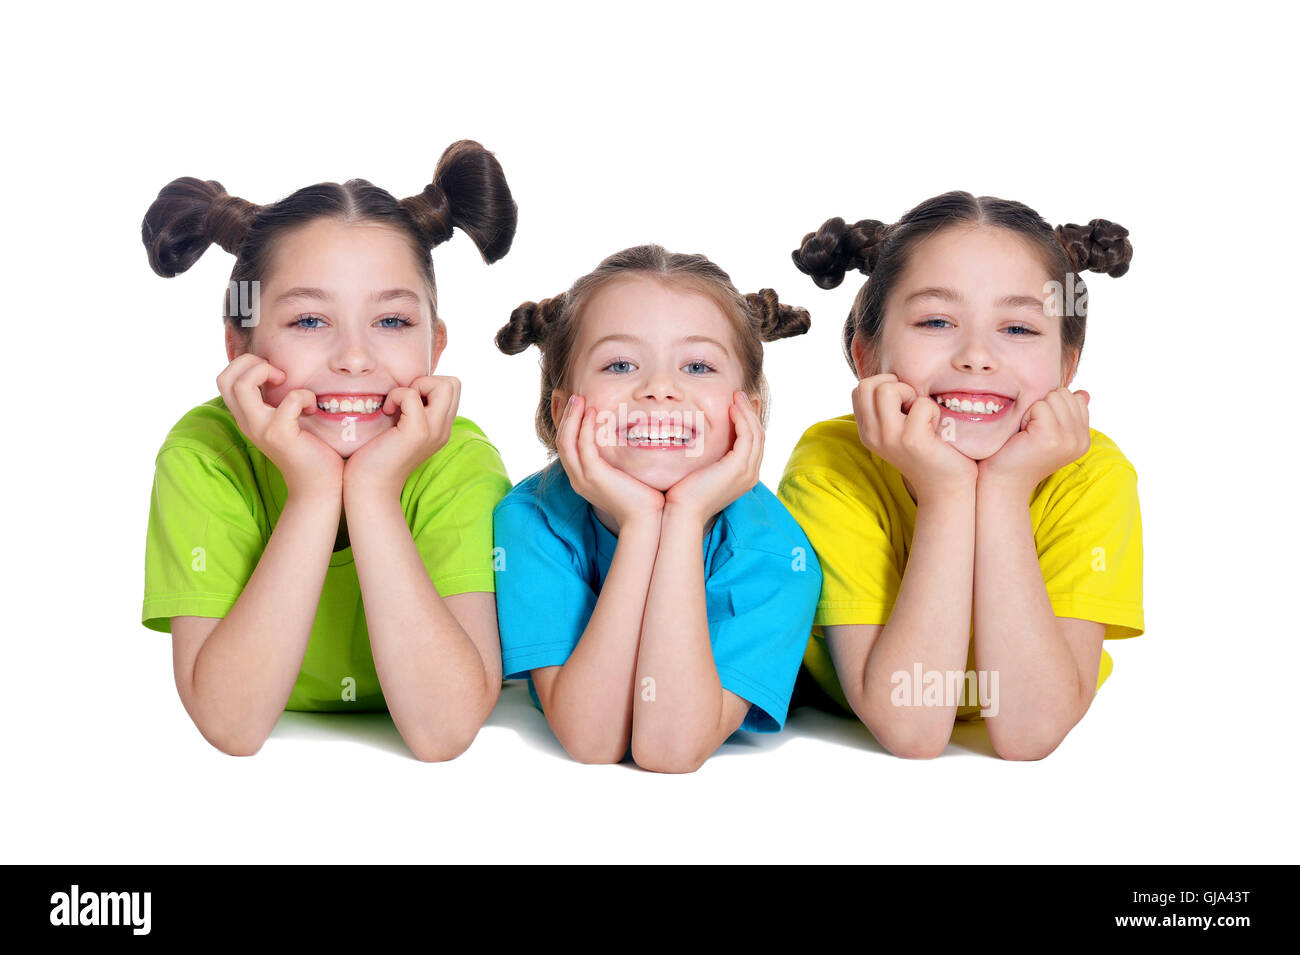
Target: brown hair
[(553, 324), (468, 192), (882, 252)]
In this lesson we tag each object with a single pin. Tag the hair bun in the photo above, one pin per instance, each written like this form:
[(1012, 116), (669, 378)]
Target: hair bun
[(468, 192), (188, 216), (836, 248), (431, 213), (1099, 246), (775, 320), (530, 324)]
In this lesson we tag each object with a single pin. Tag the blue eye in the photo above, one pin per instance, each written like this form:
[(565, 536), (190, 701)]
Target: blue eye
[(402, 321), (308, 318), (617, 361), (1021, 331), (934, 321), (700, 364)]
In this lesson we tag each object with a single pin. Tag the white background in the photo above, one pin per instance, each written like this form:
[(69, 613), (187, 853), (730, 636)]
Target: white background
[(725, 129)]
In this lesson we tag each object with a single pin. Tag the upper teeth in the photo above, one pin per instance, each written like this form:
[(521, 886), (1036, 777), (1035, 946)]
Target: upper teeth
[(656, 434), (965, 404), (352, 405)]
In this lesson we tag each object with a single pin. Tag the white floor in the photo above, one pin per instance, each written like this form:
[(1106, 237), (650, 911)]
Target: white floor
[(113, 772)]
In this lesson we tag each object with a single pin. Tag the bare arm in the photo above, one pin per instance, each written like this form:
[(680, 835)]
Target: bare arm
[(588, 700), (1046, 665), (688, 714), (235, 674), (438, 660), (929, 625)]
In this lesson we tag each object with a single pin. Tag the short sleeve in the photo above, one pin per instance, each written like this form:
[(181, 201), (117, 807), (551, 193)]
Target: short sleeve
[(860, 563), (544, 598), (1089, 539), (761, 612), (451, 516), (203, 542)]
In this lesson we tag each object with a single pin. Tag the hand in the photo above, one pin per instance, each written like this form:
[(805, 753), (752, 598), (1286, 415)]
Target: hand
[(305, 461), (595, 479), (425, 413), (1053, 433), (705, 492), (903, 428)]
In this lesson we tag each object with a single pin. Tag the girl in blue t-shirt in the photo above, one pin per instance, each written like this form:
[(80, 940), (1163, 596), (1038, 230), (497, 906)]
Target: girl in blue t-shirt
[(321, 476), (655, 593)]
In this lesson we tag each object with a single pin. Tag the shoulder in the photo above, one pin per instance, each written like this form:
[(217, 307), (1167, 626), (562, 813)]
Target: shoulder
[(1103, 476), (833, 443), (207, 439), (760, 523), (208, 429), (466, 444), (545, 498), (1102, 459)]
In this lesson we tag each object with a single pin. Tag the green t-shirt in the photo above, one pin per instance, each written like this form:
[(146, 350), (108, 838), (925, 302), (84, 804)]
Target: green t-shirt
[(216, 499)]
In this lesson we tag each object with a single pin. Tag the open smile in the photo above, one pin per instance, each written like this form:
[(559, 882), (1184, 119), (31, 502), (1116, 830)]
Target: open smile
[(358, 407), (973, 406)]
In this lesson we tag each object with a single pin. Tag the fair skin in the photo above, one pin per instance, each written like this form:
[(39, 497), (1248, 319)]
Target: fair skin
[(967, 322), (673, 365), (343, 315)]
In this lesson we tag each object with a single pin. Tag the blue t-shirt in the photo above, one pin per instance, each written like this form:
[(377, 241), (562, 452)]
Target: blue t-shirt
[(762, 581)]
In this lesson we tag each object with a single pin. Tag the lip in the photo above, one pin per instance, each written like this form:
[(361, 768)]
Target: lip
[(1005, 401), (655, 424), (350, 415)]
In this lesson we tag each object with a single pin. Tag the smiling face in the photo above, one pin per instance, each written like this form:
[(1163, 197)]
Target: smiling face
[(658, 362), (345, 313), (966, 324)]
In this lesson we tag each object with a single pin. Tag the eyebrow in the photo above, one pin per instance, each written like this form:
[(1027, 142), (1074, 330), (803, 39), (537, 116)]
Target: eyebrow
[(948, 295), (634, 340), (388, 295)]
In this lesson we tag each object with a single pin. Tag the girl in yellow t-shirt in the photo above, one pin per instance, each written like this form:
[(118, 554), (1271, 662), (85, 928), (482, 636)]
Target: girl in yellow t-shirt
[(978, 540), (332, 468)]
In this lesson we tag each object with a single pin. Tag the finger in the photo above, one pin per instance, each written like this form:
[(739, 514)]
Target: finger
[(284, 419), (566, 437), (247, 392)]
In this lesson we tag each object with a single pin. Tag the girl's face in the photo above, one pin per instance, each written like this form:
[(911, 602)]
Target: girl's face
[(344, 315), (659, 365), (967, 324)]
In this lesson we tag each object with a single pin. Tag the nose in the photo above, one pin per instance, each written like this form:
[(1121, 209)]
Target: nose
[(352, 354), (658, 384), (973, 355)]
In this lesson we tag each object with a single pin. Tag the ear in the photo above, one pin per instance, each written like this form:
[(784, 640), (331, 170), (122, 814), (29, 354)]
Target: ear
[(237, 342), (1071, 366), (559, 398), (862, 357), (438, 344)]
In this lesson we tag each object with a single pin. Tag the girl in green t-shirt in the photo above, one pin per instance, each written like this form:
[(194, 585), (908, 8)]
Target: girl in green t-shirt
[(320, 535)]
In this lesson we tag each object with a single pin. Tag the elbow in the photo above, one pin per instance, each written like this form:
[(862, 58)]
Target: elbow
[(903, 738), (593, 749), (236, 743), (441, 749), (1018, 745), (920, 746), (666, 756)]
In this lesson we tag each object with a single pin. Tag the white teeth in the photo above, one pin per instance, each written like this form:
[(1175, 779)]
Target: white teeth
[(971, 407), (349, 405)]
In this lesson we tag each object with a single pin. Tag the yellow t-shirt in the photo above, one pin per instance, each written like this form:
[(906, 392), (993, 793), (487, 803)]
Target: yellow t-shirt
[(854, 507)]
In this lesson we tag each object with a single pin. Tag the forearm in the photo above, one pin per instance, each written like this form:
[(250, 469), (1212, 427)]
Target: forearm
[(677, 699), (436, 685), (1041, 692), (929, 627), (246, 668), (590, 706)]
